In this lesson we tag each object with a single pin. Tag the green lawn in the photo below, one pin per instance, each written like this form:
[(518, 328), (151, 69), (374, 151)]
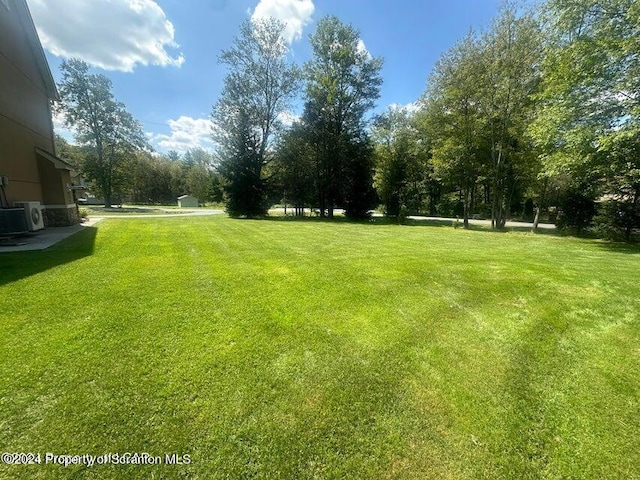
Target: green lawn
[(307, 349)]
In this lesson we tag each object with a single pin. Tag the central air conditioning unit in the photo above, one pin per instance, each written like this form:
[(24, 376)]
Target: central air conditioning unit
[(32, 214), (12, 221)]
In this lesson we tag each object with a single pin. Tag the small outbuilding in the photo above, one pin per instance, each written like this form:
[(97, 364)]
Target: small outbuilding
[(187, 201)]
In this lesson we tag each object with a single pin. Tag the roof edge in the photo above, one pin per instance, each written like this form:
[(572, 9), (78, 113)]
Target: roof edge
[(57, 161), (26, 19)]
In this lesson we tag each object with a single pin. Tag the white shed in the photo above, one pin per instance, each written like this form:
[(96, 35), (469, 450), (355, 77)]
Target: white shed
[(187, 201)]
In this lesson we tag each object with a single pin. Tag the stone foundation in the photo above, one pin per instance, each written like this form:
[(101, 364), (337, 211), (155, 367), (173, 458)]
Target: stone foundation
[(61, 217)]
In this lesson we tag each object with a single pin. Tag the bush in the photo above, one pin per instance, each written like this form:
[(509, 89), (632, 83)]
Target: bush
[(617, 220), (450, 206), (484, 211), (576, 210), (527, 213)]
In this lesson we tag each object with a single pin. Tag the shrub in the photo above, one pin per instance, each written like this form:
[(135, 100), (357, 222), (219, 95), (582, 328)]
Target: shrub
[(527, 213), (450, 206), (617, 220), (402, 215), (576, 210)]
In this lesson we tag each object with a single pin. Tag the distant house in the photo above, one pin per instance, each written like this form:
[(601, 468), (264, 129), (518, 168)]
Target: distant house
[(32, 172), (187, 201)]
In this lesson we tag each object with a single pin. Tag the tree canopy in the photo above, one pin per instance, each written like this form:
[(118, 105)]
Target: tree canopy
[(102, 124), (257, 91), (536, 117)]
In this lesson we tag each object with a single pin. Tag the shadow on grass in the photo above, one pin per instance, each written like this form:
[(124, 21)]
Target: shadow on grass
[(409, 222), (620, 247), (18, 265), (537, 365)]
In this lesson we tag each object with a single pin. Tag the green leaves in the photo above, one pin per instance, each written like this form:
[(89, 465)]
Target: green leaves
[(103, 126), (342, 79), (589, 112), (257, 89), (343, 83), (260, 81)]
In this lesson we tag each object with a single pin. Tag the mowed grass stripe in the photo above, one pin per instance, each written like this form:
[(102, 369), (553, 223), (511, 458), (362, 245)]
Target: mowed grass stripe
[(276, 349)]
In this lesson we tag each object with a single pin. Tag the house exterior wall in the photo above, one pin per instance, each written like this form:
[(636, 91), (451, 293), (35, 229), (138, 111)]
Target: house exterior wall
[(25, 123)]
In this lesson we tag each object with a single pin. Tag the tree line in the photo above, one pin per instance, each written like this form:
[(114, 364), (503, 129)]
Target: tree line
[(325, 159), (145, 177), (536, 117), (113, 154)]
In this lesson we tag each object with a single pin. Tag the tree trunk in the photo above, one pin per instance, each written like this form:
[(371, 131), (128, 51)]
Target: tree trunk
[(472, 204), (629, 229), (106, 192), (539, 205), (322, 204), (433, 200), (536, 219), (494, 210), (465, 208)]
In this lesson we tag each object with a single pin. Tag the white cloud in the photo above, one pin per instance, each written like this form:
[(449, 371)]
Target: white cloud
[(295, 14), (186, 133), (287, 118), (362, 47), (110, 34), (409, 108), (60, 128)]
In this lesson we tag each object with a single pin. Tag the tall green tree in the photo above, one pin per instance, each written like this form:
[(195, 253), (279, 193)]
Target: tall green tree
[(241, 169), (456, 121), (401, 168), (150, 179), (359, 194), (343, 83), (257, 91), (198, 173), (588, 122), (200, 183), (103, 126), (512, 52), (294, 168)]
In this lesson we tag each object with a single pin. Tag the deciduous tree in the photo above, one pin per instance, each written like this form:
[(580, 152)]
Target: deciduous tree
[(512, 53), (456, 121), (257, 90), (401, 167), (103, 125), (343, 83), (588, 122)]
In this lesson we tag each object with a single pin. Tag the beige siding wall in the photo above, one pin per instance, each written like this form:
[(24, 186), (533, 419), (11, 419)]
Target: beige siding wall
[(18, 161), (25, 120), (55, 184), (23, 96)]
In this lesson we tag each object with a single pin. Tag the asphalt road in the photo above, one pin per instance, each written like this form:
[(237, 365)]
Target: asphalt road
[(206, 212)]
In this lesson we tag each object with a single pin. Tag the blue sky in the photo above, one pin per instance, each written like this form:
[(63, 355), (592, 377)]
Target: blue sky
[(161, 55)]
